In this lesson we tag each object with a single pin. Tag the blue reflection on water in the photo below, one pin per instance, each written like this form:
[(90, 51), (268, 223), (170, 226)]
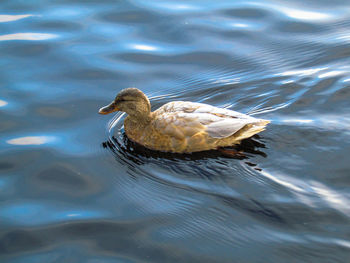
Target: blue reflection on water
[(35, 214)]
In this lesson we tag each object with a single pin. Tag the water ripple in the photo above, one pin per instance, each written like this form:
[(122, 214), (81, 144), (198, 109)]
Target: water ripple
[(10, 18), (31, 140), (27, 36)]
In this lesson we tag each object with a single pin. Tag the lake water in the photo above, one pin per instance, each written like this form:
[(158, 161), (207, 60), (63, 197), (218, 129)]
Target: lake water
[(74, 189)]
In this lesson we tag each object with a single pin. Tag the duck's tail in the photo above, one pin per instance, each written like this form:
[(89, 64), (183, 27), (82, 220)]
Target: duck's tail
[(250, 129)]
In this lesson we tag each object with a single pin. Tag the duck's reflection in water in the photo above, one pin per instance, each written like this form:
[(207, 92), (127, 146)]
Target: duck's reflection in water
[(124, 148)]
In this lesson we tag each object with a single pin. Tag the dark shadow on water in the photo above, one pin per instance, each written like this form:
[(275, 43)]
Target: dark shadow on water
[(254, 208), (134, 151)]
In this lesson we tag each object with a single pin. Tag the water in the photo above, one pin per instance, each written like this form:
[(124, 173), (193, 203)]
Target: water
[(74, 189)]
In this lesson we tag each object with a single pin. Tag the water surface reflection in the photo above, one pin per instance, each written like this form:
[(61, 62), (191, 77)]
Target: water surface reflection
[(74, 189)]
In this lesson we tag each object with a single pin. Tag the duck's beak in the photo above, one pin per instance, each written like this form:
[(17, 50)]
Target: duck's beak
[(112, 107)]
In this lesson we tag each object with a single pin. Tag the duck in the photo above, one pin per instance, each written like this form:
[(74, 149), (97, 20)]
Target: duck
[(181, 126)]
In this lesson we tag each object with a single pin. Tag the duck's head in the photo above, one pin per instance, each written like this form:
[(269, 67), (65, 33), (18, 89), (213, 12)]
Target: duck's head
[(132, 101)]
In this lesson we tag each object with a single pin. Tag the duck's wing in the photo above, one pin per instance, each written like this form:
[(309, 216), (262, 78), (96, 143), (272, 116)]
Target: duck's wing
[(183, 119)]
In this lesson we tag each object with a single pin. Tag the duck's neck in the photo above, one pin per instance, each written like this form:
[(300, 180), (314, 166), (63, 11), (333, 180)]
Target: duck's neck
[(141, 119), (140, 111)]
